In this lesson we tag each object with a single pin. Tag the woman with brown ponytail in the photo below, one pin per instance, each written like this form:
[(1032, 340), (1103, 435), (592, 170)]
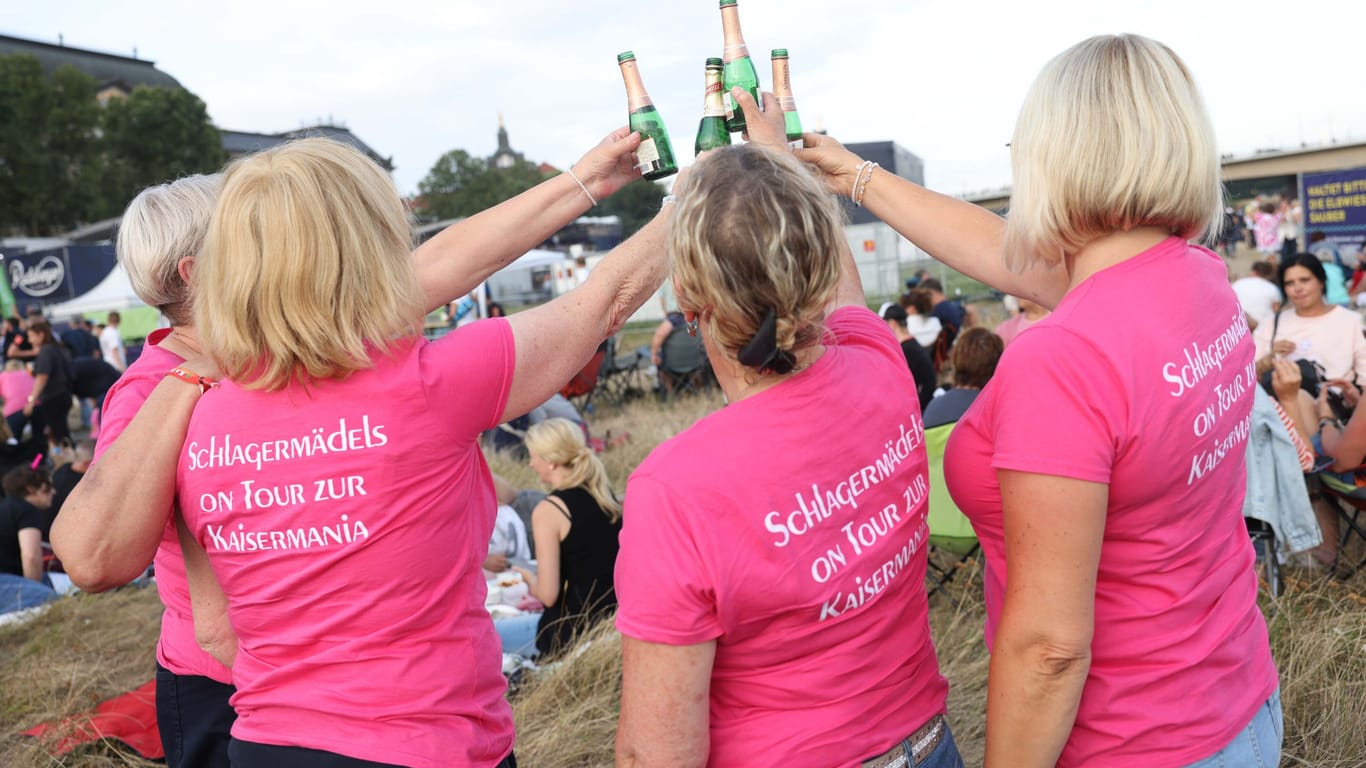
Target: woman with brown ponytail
[(772, 570), (575, 529)]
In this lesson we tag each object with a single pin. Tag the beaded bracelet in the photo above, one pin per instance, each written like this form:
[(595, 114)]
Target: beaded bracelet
[(586, 193), (864, 176)]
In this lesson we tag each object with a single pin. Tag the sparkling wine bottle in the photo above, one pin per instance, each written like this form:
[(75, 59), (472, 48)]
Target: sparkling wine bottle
[(739, 68), (782, 90), (711, 132), (655, 156)]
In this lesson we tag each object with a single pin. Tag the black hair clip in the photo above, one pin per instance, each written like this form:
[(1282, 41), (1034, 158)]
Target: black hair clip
[(762, 351)]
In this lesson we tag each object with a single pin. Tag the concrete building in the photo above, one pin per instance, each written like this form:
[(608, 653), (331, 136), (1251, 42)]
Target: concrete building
[(878, 250)]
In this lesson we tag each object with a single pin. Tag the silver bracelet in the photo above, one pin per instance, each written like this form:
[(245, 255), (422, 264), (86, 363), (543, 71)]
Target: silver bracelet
[(586, 193), (667, 199)]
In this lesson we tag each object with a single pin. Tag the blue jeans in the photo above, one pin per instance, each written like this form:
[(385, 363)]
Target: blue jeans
[(1256, 746), (18, 593), (518, 634)]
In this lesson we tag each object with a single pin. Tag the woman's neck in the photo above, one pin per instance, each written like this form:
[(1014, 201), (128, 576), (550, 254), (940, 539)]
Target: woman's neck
[(1108, 250), (1321, 308), (738, 382)]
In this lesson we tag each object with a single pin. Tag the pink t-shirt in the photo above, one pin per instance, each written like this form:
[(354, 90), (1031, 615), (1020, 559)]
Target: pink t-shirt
[(789, 527), (15, 387), (1159, 411), (1013, 326), (177, 649), (1266, 231), (346, 522)]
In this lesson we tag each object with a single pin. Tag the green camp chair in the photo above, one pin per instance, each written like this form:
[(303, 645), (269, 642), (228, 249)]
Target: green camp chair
[(951, 536)]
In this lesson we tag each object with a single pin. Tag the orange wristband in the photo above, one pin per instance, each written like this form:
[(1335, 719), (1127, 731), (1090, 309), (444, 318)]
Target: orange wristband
[(190, 377)]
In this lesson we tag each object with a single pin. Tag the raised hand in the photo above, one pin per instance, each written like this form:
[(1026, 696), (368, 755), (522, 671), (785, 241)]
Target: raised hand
[(610, 165), (765, 128), (838, 166)]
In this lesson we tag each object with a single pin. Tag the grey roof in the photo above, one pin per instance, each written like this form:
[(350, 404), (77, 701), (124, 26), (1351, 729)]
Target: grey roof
[(244, 143), (106, 68)]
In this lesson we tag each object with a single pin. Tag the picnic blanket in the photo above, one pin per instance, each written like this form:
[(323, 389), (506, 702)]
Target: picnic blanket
[(130, 718)]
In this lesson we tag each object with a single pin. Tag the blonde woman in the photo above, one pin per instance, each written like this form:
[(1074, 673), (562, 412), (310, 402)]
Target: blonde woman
[(350, 567), (1103, 465), (575, 529), (772, 571)]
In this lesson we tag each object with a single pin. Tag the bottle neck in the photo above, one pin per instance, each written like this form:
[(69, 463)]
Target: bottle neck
[(782, 83), (636, 97), (712, 105), (734, 39)]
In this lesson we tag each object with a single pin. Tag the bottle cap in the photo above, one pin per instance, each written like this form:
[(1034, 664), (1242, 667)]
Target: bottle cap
[(725, 3), (715, 62), (779, 53), (625, 56)]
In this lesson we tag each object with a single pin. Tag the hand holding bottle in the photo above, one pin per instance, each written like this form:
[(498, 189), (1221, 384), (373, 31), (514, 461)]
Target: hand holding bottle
[(610, 165), (838, 166), (766, 127)]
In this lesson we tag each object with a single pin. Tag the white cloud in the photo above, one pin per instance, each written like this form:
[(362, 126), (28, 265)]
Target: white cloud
[(943, 78)]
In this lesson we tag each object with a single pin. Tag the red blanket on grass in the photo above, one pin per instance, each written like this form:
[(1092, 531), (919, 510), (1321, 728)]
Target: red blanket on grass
[(130, 718)]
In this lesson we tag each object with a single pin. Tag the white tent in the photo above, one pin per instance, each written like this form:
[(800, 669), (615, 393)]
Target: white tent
[(113, 292)]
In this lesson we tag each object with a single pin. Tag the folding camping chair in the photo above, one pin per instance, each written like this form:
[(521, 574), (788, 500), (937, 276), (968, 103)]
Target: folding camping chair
[(953, 543), (1346, 496), (579, 390), (683, 364), (619, 376)]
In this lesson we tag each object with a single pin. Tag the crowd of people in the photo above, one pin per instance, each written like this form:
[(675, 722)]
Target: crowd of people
[(44, 372), (306, 470)]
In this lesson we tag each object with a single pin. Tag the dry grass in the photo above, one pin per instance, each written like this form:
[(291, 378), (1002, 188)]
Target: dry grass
[(81, 651), (92, 647)]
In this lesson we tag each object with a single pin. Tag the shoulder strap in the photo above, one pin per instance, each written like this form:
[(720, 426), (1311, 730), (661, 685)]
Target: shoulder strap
[(558, 503)]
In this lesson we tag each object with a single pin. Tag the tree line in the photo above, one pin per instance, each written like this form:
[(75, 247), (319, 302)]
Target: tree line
[(460, 184), (67, 160)]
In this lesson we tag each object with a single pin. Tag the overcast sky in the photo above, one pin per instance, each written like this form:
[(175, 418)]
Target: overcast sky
[(943, 78)]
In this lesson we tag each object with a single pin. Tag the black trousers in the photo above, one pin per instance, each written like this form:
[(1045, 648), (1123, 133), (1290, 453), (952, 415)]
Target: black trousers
[(194, 718), (248, 754)]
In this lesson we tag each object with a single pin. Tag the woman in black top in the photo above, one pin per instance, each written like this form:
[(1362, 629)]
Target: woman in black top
[(52, 379), (575, 529)]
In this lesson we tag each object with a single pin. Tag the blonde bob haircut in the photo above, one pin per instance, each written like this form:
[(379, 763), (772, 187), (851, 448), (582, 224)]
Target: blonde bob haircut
[(306, 271), (561, 441), (755, 231), (1113, 135), (163, 225)]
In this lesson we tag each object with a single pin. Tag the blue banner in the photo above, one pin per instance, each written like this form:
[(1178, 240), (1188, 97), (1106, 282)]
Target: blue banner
[(1335, 203), (55, 275)]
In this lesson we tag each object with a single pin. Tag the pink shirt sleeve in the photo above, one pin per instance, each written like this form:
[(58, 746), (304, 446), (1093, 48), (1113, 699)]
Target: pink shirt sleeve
[(1061, 407), (468, 372), (664, 590)]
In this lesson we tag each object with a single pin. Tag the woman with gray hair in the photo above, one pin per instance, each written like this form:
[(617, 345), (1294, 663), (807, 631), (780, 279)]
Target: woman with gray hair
[(105, 541)]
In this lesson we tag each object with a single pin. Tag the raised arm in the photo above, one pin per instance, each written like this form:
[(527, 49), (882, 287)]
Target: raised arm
[(966, 237), (555, 340), (463, 255)]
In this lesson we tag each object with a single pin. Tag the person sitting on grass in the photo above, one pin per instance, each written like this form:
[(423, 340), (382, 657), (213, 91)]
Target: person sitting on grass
[(576, 529), (23, 584)]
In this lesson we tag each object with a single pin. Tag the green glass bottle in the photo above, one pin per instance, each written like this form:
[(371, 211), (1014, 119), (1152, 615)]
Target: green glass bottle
[(739, 68), (782, 91), (655, 155), (711, 132)]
